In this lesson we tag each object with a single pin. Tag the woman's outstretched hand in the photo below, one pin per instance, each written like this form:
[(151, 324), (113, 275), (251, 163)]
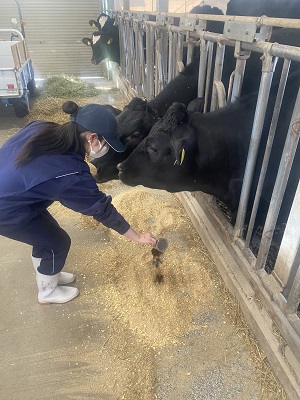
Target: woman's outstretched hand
[(143, 238)]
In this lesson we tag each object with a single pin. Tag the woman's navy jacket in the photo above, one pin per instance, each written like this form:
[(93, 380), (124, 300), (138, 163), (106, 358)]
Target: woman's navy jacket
[(27, 190)]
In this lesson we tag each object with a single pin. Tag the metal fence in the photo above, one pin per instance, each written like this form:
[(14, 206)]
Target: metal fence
[(153, 47)]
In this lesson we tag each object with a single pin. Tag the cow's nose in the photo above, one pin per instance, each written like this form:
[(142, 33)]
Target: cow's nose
[(93, 61)]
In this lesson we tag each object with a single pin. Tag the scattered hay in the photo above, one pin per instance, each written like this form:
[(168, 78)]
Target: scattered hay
[(67, 87), (48, 109), (149, 317)]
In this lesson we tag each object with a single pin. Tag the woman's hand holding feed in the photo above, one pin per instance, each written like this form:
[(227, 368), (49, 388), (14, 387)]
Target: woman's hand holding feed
[(143, 238)]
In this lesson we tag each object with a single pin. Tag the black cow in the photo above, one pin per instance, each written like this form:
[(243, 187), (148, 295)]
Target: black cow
[(207, 152), (195, 151), (270, 8), (104, 42), (138, 117)]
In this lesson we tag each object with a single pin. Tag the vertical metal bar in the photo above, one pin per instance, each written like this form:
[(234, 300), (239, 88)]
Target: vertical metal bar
[(202, 65), (122, 45), (179, 51), (190, 48), (208, 75), (126, 45), (293, 273), (258, 122), (131, 58), (293, 299), (21, 18), (138, 59), (217, 74), (171, 56), (275, 116), (159, 73), (150, 61), (280, 184), (174, 50), (142, 72), (238, 79), (165, 49)]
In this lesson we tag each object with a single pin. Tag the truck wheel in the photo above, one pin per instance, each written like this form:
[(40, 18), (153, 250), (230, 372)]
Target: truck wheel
[(20, 106), (31, 87)]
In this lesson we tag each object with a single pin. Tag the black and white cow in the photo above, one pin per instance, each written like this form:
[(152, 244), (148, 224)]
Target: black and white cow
[(207, 152), (105, 41)]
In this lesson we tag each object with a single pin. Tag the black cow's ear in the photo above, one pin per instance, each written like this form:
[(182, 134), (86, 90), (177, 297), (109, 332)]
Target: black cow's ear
[(196, 105), (176, 112), (137, 104), (87, 41), (93, 23), (179, 149)]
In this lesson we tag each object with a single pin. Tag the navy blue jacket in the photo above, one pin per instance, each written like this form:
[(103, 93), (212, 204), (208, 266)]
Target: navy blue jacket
[(26, 191)]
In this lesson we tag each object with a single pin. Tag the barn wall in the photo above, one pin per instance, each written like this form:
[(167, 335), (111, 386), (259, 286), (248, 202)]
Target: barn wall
[(54, 30)]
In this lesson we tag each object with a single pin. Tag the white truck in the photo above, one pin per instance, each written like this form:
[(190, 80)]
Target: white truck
[(17, 82)]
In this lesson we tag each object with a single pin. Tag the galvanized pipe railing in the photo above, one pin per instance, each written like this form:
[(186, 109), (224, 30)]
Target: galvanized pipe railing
[(271, 135), (280, 184)]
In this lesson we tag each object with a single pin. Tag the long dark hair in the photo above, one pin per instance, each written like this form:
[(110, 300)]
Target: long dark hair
[(54, 139)]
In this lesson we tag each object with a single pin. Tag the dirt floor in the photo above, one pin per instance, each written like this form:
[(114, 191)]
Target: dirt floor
[(136, 332)]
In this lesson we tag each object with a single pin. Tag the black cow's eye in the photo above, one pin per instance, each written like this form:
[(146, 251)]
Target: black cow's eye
[(152, 149), (136, 135)]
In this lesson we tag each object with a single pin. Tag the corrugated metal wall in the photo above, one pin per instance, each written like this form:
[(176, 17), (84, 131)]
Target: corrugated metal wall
[(54, 29)]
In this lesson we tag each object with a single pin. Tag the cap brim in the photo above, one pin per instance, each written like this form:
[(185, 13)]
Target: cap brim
[(115, 144)]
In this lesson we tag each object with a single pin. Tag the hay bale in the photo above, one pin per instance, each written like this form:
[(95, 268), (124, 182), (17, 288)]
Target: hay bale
[(67, 87)]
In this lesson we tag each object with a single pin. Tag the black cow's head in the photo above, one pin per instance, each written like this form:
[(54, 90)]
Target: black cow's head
[(135, 122), (163, 159)]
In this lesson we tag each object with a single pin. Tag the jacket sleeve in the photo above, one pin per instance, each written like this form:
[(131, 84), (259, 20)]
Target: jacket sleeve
[(80, 193)]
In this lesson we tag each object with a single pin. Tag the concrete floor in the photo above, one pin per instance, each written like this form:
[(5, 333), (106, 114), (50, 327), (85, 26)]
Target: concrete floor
[(63, 352)]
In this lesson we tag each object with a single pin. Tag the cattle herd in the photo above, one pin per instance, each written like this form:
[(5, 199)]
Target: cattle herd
[(171, 145)]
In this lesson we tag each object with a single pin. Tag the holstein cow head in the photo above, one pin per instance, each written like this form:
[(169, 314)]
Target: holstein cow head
[(105, 24), (105, 41)]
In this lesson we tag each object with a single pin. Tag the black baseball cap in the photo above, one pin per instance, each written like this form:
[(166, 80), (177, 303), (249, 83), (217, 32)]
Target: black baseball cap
[(98, 119)]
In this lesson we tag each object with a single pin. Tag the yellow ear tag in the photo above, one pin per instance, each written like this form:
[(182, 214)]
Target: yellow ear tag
[(115, 23), (89, 43), (94, 25), (182, 156), (109, 41)]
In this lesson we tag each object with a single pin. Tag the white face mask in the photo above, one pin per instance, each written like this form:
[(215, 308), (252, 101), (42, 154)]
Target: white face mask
[(103, 149)]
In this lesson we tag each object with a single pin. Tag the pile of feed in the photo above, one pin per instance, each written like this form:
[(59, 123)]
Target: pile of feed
[(155, 312)]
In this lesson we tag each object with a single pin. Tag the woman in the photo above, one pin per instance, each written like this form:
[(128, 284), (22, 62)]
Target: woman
[(44, 162)]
